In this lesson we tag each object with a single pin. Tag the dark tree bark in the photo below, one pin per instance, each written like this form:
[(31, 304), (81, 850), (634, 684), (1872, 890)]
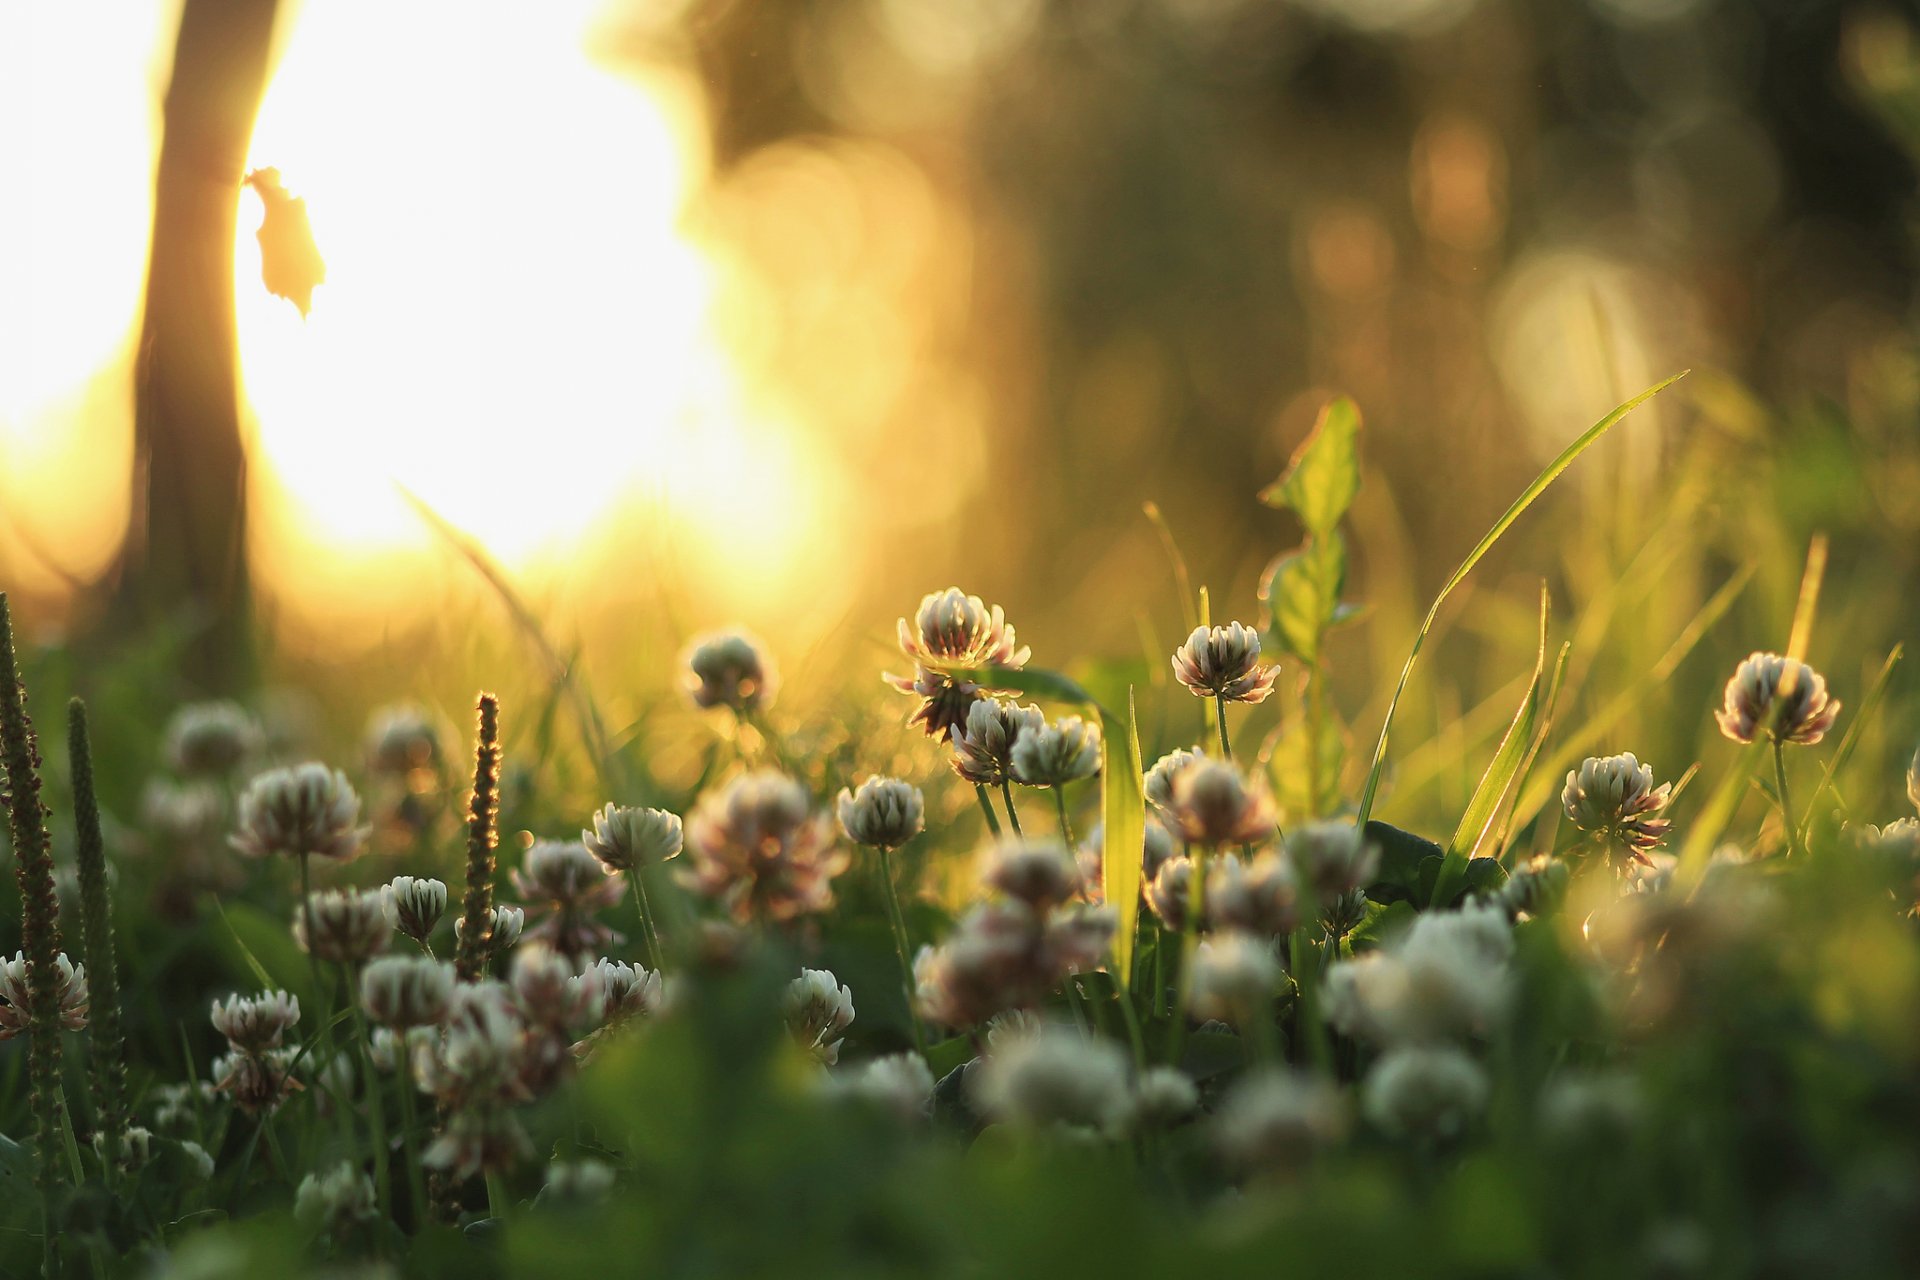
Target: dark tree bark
[(186, 550)]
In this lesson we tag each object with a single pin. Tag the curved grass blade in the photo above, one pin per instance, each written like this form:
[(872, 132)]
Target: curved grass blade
[(1850, 740), (1526, 499)]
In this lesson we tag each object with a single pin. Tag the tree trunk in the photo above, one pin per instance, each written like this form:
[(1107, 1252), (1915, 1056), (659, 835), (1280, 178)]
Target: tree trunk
[(185, 559)]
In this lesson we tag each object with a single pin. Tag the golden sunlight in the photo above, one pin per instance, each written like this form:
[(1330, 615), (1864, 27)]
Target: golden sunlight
[(513, 327)]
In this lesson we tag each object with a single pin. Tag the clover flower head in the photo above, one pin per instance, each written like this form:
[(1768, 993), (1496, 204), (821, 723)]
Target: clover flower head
[(1156, 848), (305, 810), (1055, 1078), (818, 1009), (176, 1105), (1039, 872), (954, 629), (256, 1082), (629, 990), (476, 1058), (1261, 896), (70, 995), (211, 739), (1899, 839), (336, 1200), (413, 905), (624, 837), (1428, 1093), (996, 959), (1590, 1107), (403, 741), (1213, 804), (1334, 858), (883, 813), (136, 1146), (579, 1182), (1224, 662), (984, 740), (1447, 977), (1235, 976), (349, 926), (1158, 781), (571, 886), (406, 991), (1782, 698), (899, 1083), (1613, 797), (730, 669), (1275, 1120), (549, 994), (478, 1140), (1170, 891), (508, 924), (1533, 887), (1163, 1097), (254, 1024), (1076, 938), (1066, 750), (757, 847)]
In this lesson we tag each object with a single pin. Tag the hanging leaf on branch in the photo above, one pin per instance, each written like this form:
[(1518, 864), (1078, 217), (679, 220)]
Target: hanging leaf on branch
[(290, 262)]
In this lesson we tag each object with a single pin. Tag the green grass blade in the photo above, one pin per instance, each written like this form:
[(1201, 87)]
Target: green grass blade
[(1850, 740), (1500, 526)]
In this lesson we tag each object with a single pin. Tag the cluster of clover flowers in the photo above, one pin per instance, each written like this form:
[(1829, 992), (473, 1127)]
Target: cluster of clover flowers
[(1261, 915)]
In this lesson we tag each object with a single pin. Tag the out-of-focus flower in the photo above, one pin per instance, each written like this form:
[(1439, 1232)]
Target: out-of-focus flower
[(549, 994), (884, 813), (1783, 698), (1425, 1092), (1533, 887), (1212, 804), (624, 837), (1039, 872), (406, 991), (70, 994), (1056, 1077), (349, 927), (1334, 858), (817, 1010), (899, 1083), (1224, 662), (256, 1082), (1163, 1096), (571, 886), (476, 1059), (730, 669), (757, 847), (1913, 780), (1275, 1120), (403, 741), (952, 631), (508, 923), (211, 739), (1900, 838), (1158, 782), (1169, 892), (1446, 977), (477, 1141), (1613, 797), (1055, 754), (1589, 1108), (1261, 896), (199, 1163), (1234, 978), (1156, 848), (176, 1106), (306, 810), (983, 744), (254, 1024), (577, 1182), (1005, 955), (414, 905), (629, 990), (945, 701), (336, 1200)]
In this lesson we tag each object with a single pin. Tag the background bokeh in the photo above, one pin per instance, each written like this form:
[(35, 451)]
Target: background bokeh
[(786, 314)]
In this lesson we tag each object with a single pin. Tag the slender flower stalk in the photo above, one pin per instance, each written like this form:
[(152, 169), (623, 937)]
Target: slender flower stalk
[(884, 814), (106, 1061), (1226, 747), (1013, 817), (1786, 802), (483, 836), (986, 807), (1060, 806), (39, 926)]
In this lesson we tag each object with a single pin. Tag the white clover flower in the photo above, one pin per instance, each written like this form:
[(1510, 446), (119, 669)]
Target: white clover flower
[(1056, 1077), (508, 923), (954, 629), (1005, 1028), (1234, 979), (1335, 858), (256, 1082), (884, 813), (1055, 754), (413, 906), (1590, 1107), (757, 847), (1039, 872), (1276, 1120), (1212, 803), (624, 837), (983, 743), (197, 1159), (1614, 797), (1224, 662), (1900, 838), (1157, 783), (729, 669), (1783, 699), (136, 1147), (478, 1140), (333, 1201), (550, 994), (1261, 896), (402, 740), (899, 1083), (254, 1024), (211, 739), (406, 991), (70, 995), (475, 1060), (818, 1007), (1425, 1092), (349, 927), (629, 990), (577, 1182), (1448, 976), (307, 810), (1163, 1096)]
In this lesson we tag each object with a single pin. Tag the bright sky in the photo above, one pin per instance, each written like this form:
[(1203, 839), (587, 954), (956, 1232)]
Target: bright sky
[(514, 326)]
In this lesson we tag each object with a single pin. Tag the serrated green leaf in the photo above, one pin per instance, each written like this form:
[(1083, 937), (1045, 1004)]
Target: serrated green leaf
[(1304, 594), (1321, 481)]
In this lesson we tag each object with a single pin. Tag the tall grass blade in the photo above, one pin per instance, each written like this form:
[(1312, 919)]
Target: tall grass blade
[(1526, 499), (1850, 740)]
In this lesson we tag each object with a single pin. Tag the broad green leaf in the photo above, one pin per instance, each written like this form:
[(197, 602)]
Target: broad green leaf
[(1401, 855), (1320, 482), (1492, 789), (1304, 594), (1526, 499)]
